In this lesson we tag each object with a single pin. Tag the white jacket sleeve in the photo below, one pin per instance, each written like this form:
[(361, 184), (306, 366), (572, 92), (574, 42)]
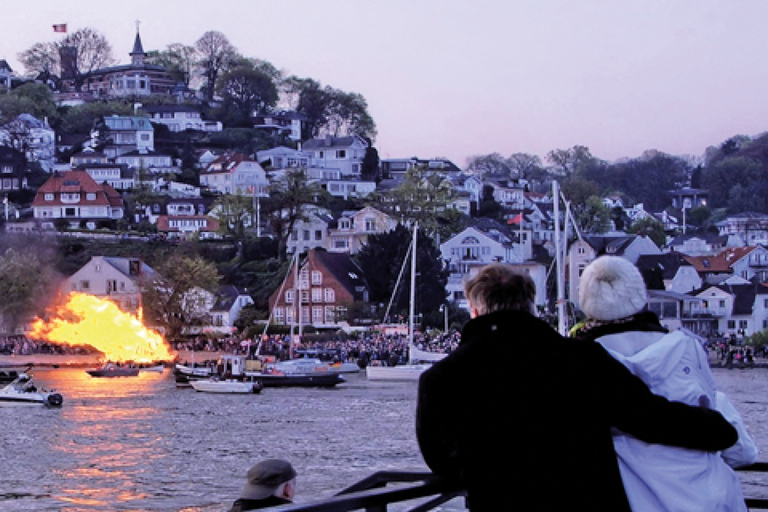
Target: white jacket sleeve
[(744, 452)]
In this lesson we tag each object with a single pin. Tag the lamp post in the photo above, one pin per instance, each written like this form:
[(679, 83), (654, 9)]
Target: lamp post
[(444, 309), (686, 206)]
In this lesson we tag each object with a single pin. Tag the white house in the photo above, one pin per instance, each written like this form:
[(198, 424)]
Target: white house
[(126, 134), (179, 118), (488, 242), (115, 278), (353, 228), (343, 153), (235, 174)]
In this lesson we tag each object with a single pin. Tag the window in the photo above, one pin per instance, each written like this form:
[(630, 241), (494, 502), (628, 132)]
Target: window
[(341, 154), (743, 324), (289, 296), (370, 225), (330, 315), (317, 277), (317, 294), (49, 197), (279, 315), (317, 314), (329, 295), (731, 324), (318, 234)]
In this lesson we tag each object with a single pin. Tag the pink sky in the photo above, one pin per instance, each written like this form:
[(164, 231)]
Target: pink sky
[(454, 78)]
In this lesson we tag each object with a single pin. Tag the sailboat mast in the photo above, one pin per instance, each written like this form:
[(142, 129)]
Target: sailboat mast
[(413, 294), (561, 325)]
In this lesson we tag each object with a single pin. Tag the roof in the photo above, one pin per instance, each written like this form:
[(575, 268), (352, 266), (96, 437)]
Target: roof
[(329, 141), (130, 123), (71, 182), (138, 48), (743, 296), (123, 265), (615, 245), (721, 262), (343, 269), (226, 163), (226, 297), (655, 268)]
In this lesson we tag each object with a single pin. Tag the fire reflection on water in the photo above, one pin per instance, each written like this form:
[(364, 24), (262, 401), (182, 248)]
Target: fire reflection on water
[(111, 437)]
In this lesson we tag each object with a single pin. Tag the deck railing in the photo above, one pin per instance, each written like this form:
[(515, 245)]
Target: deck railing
[(373, 495)]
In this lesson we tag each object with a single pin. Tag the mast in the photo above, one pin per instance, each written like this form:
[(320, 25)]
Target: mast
[(561, 327), (413, 294)]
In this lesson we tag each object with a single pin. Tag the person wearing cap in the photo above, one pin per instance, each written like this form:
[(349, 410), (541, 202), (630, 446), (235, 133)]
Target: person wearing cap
[(270, 483), (522, 416), (613, 295)]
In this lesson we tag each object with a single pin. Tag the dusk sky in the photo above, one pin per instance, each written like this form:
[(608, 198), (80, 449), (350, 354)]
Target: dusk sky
[(453, 78)]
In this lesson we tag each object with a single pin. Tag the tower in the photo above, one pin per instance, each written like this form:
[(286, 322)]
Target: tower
[(137, 54)]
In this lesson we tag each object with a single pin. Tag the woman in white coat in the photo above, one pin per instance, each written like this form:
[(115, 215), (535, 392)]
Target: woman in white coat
[(661, 478)]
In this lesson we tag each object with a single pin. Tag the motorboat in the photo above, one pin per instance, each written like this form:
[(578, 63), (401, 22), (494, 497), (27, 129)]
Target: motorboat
[(216, 385), (22, 391), (309, 364), (271, 377), (114, 370)]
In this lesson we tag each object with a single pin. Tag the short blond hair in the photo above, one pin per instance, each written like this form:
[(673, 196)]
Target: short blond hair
[(499, 287)]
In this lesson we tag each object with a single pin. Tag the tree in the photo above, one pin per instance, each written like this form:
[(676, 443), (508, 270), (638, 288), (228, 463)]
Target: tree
[(174, 296), (80, 119), (31, 98), (488, 206), (177, 59), (214, 52), (593, 216), (369, 168), (245, 89), (40, 58), (235, 212), (27, 281), (731, 180), (489, 166), (381, 260), (651, 228), (527, 166), (423, 196), (566, 162), (288, 197), (93, 52), (328, 110)]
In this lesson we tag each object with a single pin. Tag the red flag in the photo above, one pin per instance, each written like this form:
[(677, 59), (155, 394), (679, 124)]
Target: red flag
[(61, 27), (517, 219)]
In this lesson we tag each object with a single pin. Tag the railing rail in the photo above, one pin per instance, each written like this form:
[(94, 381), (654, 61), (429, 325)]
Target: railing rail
[(373, 495)]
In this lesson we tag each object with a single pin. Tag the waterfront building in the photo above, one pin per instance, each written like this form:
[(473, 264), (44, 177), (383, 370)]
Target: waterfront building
[(117, 279), (75, 198)]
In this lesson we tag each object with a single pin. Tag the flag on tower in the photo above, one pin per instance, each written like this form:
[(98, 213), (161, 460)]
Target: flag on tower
[(61, 27)]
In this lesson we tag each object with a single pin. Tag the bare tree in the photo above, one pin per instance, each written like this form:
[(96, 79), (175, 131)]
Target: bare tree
[(93, 52), (40, 58), (214, 53)]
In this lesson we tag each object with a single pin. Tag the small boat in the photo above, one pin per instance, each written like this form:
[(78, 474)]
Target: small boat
[(226, 386), (114, 370), (22, 391)]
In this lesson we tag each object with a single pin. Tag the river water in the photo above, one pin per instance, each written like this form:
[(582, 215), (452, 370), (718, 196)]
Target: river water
[(142, 444)]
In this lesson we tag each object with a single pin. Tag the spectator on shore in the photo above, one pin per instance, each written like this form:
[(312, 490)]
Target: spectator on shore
[(510, 428), (674, 365), (270, 483)]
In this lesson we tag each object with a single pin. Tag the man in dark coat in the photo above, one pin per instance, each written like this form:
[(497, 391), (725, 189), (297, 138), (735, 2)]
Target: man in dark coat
[(523, 416)]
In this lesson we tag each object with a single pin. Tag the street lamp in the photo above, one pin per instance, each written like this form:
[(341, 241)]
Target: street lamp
[(686, 206), (444, 309)]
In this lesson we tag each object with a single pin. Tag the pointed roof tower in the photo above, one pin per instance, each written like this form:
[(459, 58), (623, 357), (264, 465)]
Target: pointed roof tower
[(137, 54)]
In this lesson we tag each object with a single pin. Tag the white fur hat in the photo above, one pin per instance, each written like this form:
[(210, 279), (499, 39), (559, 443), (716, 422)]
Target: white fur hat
[(611, 288)]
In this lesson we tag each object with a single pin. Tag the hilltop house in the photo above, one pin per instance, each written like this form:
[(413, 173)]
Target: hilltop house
[(75, 197), (13, 170), (328, 286), (139, 78), (125, 134), (179, 118)]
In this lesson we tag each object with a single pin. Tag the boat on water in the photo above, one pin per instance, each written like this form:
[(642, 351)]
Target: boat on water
[(22, 391), (305, 372), (418, 360), (114, 370), (152, 368), (215, 385)]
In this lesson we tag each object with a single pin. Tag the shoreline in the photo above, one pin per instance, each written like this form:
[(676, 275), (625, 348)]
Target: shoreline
[(86, 360)]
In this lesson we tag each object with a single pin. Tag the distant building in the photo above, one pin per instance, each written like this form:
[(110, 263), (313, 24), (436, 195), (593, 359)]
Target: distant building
[(117, 279), (327, 287), (235, 174), (179, 118), (126, 134), (76, 198), (139, 78)]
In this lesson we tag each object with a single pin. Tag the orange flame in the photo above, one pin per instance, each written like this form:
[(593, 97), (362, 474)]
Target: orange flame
[(89, 320)]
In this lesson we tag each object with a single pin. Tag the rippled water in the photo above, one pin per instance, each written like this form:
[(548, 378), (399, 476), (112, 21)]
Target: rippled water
[(143, 444)]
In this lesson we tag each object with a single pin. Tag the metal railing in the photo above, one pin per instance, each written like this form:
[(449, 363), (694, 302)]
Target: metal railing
[(373, 495)]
